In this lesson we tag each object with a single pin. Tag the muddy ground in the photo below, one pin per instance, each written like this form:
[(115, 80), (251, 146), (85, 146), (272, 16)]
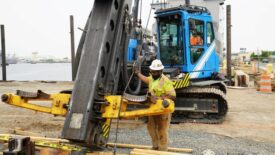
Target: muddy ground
[(251, 115)]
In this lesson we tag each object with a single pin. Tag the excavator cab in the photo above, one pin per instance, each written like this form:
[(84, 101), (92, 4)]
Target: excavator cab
[(186, 41), (186, 47)]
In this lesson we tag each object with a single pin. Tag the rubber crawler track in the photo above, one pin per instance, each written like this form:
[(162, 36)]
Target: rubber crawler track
[(203, 93)]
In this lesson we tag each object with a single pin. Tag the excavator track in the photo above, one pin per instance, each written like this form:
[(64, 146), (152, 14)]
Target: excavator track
[(203, 113)]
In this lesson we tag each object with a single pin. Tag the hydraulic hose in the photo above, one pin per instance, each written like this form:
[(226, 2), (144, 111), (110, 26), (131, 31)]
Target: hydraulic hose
[(136, 90)]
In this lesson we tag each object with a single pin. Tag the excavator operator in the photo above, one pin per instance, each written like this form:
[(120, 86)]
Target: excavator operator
[(160, 87), (195, 39)]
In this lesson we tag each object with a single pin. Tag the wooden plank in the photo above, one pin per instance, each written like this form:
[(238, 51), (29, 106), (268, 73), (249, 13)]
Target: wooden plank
[(236, 87), (103, 153), (52, 151), (57, 140), (185, 150), (139, 153), (153, 152), (129, 146), (25, 133), (49, 151), (35, 138)]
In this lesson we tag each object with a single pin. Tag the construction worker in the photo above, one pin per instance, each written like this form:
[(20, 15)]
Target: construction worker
[(160, 87), (195, 39)]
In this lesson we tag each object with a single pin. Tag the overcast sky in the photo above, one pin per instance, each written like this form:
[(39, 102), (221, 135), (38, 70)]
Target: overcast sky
[(43, 25)]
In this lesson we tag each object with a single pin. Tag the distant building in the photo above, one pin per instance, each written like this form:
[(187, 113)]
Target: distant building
[(242, 50), (34, 58), (244, 57), (234, 56)]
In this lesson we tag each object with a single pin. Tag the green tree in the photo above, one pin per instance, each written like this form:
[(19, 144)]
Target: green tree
[(265, 54), (253, 56)]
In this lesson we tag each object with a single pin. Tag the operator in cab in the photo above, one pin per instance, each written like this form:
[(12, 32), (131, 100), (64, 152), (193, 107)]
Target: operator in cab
[(160, 87), (195, 39)]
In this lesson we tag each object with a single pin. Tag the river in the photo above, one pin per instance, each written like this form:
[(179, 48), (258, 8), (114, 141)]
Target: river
[(39, 71), (46, 71)]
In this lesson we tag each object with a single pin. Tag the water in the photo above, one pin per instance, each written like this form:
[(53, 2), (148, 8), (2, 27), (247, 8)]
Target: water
[(46, 71), (39, 71)]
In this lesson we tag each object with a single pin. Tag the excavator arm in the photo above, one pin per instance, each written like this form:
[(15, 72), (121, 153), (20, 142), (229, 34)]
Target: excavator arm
[(114, 107), (57, 103)]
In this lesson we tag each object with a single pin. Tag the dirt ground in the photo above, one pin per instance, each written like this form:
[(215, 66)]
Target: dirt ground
[(18, 119), (251, 114)]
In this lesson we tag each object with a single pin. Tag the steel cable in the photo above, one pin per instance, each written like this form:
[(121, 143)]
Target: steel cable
[(117, 122)]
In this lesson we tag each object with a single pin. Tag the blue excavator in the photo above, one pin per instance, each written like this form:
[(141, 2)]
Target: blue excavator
[(111, 44), (186, 47)]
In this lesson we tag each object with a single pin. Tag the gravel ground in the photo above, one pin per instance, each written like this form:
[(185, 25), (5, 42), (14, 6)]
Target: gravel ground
[(198, 141), (248, 129)]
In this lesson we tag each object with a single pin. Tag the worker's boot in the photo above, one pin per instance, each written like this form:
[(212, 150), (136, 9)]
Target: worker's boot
[(151, 126), (163, 126)]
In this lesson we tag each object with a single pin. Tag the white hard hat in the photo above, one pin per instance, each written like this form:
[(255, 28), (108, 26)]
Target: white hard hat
[(156, 65)]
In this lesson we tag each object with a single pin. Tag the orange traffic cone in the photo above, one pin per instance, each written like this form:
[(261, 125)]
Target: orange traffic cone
[(265, 83)]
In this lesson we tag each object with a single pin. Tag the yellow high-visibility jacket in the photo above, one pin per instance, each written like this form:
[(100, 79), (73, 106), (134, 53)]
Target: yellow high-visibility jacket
[(161, 86)]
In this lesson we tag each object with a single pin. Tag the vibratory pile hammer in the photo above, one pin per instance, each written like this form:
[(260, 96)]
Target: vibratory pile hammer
[(93, 102), (111, 44)]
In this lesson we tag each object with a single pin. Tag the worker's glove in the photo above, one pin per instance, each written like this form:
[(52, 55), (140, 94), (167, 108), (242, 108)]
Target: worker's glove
[(166, 96), (153, 99), (135, 68)]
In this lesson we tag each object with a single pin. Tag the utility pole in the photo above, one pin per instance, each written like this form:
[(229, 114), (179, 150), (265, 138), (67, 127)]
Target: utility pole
[(3, 52), (187, 2), (72, 47), (258, 62), (228, 41)]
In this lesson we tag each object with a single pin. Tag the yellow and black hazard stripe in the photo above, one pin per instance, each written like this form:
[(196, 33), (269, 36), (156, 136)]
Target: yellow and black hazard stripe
[(105, 130), (182, 83)]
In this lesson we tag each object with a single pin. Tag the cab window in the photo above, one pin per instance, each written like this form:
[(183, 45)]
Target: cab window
[(210, 34), (196, 32), (171, 48)]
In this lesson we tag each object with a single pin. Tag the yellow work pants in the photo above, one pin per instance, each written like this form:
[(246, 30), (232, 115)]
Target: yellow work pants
[(158, 129)]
